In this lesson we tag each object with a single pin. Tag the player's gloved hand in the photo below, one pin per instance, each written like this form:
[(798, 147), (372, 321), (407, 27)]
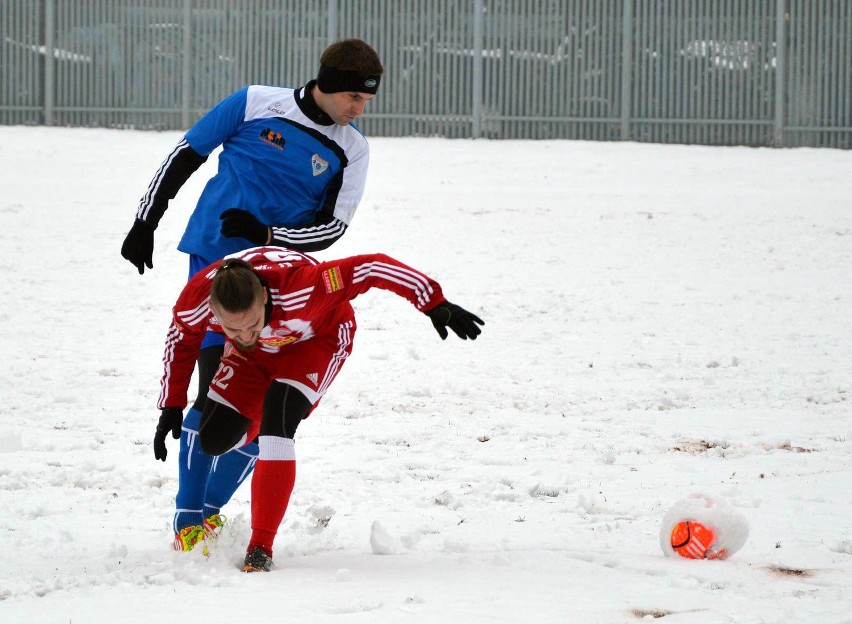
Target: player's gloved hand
[(138, 246), (241, 223), (462, 322), (171, 419)]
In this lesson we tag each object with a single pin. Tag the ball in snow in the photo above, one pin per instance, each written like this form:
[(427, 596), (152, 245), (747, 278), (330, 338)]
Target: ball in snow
[(703, 527)]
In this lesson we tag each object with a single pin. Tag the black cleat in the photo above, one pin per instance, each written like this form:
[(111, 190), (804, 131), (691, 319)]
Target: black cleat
[(257, 561)]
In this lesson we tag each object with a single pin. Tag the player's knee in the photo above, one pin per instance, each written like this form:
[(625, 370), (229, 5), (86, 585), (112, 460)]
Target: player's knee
[(221, 428)]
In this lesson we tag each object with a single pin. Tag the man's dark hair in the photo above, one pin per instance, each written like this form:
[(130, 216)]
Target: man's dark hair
[(352, 55), (236, 287)]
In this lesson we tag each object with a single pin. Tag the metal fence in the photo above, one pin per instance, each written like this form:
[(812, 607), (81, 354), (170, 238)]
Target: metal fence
[(718, 72)]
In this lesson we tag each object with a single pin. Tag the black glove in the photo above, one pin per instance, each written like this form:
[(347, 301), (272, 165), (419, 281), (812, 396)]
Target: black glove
[(242, 223), (171, 418), (462, 322), (138, 246)]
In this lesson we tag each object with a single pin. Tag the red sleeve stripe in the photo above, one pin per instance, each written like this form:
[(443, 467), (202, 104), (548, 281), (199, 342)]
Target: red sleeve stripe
[(172, 338), (196, 315), (412, 280)]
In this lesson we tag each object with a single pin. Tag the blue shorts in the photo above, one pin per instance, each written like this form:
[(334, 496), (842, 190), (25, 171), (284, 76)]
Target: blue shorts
[(211, 339)]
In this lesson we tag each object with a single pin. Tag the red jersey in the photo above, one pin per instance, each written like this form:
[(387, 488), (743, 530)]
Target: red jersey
[(306, 298)]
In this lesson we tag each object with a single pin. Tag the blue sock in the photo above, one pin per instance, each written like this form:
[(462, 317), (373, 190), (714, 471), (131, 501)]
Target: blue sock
[(193, 470), (228, 472)]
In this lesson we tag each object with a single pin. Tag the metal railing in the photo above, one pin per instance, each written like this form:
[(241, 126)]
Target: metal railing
[(717, 72)]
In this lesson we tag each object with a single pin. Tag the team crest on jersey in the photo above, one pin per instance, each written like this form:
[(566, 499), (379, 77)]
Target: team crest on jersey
[(332, 279), (318, 164), (273, 138), (231, 352)]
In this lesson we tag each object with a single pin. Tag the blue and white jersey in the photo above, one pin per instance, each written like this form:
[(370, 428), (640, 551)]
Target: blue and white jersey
[(278, 163)]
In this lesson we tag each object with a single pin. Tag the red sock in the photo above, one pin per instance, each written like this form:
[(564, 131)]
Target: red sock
[(271, 486)]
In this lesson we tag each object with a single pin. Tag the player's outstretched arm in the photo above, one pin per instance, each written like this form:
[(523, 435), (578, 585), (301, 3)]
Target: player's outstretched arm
[(465, 324)]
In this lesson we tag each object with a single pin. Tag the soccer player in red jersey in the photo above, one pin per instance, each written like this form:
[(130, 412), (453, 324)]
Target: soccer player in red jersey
[(289, 326)]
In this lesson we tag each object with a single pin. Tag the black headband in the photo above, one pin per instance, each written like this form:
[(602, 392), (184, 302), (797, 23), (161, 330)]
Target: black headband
[(331, 80)]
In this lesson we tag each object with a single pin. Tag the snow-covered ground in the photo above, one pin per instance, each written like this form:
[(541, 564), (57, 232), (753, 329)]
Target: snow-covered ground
[(660, 320)]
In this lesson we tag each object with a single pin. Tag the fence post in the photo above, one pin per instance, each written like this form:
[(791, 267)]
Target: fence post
[(780, 71), (186, 69), (626, 67), (332, 21), (49, 55), (476, 90)]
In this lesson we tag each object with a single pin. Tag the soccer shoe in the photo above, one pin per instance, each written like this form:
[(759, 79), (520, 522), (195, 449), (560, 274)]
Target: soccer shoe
[(257, 560), (189, 537), (213, 526)]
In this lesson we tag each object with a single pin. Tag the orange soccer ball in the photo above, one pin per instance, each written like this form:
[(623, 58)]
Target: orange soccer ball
[(694, 540)]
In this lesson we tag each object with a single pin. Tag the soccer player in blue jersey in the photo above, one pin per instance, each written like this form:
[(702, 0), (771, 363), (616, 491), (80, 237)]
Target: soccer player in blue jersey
[(291, 172)]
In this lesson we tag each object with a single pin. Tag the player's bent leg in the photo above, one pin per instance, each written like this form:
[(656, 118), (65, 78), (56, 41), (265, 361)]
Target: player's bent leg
[(271, 487), (194, 465), (221, 428), (284, 407), (193, 468), (212, 349), (228, 472)]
